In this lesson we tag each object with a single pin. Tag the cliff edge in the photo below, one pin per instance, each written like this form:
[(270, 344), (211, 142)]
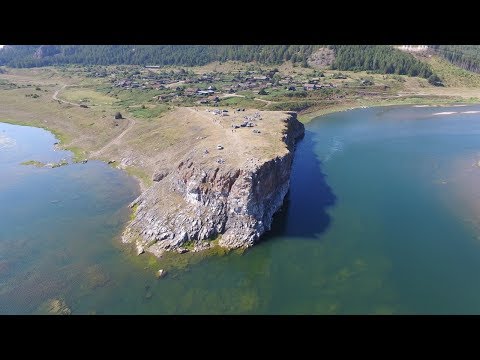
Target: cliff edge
[(225, 186)]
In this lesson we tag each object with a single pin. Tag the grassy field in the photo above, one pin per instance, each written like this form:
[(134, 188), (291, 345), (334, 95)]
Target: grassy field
[(148, 111), (138, 103), (242, 102), (77, 129), (453, 76), (86, 96), (139, 174), (228, 67), (160, 125)]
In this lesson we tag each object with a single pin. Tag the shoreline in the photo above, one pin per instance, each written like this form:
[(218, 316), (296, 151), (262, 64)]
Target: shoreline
[(175, 261), (169, 212), (307, 117), (78, 154)]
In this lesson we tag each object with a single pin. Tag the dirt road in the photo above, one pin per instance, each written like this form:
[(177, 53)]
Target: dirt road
[(114, 141), (225, 96), (55, 96)]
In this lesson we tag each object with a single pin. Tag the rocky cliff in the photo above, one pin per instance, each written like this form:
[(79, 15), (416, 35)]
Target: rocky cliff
[(203, 198), (46, 50)]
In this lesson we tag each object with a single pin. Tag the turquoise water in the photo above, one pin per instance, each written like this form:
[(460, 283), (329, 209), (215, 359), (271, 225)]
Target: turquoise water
[(382, 218), (57, 226)]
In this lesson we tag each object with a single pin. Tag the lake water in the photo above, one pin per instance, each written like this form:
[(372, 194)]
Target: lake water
[(382, 218)]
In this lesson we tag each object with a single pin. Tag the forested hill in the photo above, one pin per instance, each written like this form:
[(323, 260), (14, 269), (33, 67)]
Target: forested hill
[(378, 58), (375, 58), (464, 56), (183, 55)]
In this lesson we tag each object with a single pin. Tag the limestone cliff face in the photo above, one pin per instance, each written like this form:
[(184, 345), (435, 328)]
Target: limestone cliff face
[(196, 202)]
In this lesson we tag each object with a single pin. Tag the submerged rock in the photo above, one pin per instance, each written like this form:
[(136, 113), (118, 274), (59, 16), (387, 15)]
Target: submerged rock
[(161, 273), (57, 307), (96, 277), (140, 249)]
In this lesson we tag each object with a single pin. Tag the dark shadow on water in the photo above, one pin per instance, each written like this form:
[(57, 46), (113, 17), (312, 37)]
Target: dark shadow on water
[(303, 213)]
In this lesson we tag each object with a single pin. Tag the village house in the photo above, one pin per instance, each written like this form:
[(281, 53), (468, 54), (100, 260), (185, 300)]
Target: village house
[(205, 92), (123, 83), (190, 91), (259, 78), (164, 97), (309, 87), (247, 85), (206, 78)]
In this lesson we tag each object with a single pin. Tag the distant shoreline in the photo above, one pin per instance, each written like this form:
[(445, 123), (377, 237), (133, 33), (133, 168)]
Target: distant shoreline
[(309, 116)]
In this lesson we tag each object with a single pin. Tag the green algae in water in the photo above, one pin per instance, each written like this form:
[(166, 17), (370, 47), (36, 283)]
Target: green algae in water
[(33, 162)]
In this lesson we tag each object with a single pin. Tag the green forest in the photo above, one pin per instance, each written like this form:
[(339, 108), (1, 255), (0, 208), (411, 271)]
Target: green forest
[(375, 58), (183, 55), (464, 56), (380, 59)]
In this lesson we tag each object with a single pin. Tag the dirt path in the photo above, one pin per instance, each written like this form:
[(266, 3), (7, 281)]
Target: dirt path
[(114, 141), (224, 96), (55, 96), (268, 102)]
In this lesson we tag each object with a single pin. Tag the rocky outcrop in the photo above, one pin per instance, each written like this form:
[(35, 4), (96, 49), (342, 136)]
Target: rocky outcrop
[(46, 50), (322, 58), (159, 175), (198, 201)]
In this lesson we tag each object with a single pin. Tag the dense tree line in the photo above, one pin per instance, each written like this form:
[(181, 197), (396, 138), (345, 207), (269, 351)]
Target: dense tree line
[(183, 55), (378, 58), (464, 56)]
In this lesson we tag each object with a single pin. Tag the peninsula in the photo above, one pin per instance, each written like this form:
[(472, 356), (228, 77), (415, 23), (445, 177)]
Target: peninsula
[(210, 141)]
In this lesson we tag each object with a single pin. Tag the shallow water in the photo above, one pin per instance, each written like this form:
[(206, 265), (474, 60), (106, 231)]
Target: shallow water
[(55, 224), (382, 217)]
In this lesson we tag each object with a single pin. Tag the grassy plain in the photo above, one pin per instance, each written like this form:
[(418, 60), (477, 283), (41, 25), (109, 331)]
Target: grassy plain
[(162, 123)]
